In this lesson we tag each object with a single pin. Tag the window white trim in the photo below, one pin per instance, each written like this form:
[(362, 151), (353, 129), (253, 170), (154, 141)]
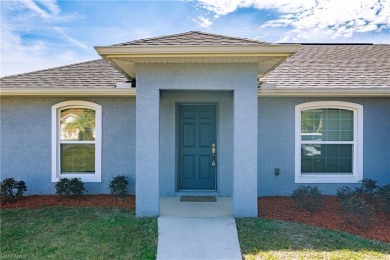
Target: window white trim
[(55, 152), (357, 173)]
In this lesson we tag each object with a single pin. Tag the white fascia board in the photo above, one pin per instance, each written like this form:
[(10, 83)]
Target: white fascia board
[(110, 53), (196, 51), (131, 92), (322, 92), (124, 92)]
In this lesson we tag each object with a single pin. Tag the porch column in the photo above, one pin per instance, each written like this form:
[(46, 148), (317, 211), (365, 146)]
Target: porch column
[(147, 151), (245, 152)]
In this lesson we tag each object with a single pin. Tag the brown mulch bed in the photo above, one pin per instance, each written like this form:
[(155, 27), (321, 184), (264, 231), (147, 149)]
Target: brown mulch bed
[(281, 208), (284, 208), (39, 201)]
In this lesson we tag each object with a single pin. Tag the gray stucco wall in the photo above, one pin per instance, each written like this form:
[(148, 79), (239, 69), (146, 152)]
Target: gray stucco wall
[(26, 141), (152, 79), (276, 143)]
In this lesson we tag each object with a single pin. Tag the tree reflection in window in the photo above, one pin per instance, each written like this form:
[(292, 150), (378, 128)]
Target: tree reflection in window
[(77, 124)]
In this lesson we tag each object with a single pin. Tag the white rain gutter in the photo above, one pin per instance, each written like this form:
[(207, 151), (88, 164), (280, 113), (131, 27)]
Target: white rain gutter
[(131, 92), (321, 92), (86, 92)]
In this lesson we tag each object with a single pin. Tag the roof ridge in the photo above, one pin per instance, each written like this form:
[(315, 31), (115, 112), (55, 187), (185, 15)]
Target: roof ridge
[(189, 33), (53, 68), (230, 37), (151, 38)]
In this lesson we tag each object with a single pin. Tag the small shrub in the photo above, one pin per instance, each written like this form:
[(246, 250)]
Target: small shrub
[(368, 189), (70, 187), (384, 197), (307, 197), (344, 193), (118, 186), (12, 190), (355, 210)]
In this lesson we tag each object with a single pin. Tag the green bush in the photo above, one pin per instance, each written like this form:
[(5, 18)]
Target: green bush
[(355, 210), (307, 197), (368, 189), (344, 193), (12, 190), (70, 187), (118, 186), (384, 197)]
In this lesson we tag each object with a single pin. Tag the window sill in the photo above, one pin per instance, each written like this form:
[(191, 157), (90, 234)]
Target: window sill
[(327, 179), (83, 177)]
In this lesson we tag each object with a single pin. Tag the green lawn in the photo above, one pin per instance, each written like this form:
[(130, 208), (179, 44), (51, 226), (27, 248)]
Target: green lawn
[(103, 233), (77, 233), (271, 239)]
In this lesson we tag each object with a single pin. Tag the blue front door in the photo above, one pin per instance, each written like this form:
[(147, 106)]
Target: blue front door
[(197, 131)]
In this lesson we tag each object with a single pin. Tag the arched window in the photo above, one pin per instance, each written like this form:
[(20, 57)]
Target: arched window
[(328, 142), (76, 141)]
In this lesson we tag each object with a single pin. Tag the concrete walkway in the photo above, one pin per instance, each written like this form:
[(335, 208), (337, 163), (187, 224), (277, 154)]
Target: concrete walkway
[(194, 238)]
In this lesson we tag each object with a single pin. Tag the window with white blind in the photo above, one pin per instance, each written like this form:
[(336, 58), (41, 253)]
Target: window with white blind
[(76, 141), (328, 142)]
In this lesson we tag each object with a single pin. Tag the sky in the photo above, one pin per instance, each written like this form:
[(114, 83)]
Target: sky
[(40, 34)]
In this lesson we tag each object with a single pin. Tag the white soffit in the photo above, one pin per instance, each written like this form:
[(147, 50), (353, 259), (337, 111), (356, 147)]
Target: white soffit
[(125, 58)]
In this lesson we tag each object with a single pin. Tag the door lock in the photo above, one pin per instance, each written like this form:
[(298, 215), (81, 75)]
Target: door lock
[(213, 151)]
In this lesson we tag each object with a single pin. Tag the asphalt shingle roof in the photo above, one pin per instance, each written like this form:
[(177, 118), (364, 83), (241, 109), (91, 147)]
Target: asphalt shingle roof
[(193, 38), (334, 66), (313, 66), (90, 74)]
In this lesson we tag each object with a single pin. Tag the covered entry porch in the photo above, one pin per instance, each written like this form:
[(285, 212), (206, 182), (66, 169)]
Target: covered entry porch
[(223, 75), (161, 90), (193, 125)]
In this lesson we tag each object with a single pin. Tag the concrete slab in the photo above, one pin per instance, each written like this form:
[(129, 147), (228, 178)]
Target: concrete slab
[(197, 239), (172, 207)]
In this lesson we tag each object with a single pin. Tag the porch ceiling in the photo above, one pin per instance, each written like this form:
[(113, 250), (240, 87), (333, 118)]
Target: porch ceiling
[(125, 58)]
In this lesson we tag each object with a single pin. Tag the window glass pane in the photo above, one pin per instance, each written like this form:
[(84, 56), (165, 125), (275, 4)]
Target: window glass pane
[(326, 158), (346, 135), (77, 158), (77, 124), (332, 113), (327, 124), (346, 124), (346, 114)]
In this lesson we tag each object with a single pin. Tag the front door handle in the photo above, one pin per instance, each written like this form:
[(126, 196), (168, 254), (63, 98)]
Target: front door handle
[(213, 151)]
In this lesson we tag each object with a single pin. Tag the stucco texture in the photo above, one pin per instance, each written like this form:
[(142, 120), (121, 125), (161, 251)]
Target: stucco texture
[(276, 143), (25, 144), (153, 80), (26, 141)]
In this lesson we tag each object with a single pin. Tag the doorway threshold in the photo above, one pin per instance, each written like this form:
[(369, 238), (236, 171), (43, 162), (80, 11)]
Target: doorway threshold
[(196, 193)]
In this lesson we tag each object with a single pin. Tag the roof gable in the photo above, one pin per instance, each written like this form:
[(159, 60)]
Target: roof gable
[(192, 38), (194, 47)]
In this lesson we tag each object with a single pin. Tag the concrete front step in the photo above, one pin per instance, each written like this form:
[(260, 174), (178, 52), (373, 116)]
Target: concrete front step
[(172, 207)]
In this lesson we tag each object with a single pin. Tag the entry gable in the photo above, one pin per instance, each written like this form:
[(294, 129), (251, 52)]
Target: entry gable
[(195, 47)]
